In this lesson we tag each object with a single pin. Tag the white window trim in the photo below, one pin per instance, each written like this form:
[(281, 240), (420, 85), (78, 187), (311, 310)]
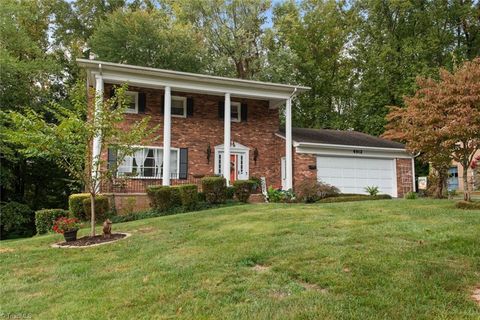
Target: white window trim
[(184, 100), (135, 98), (239, 109), (159, 177)]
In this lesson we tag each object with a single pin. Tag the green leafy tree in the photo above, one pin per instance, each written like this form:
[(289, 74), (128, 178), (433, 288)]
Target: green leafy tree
[(67, 140), (316, 34), (233, 33), (148, 38)]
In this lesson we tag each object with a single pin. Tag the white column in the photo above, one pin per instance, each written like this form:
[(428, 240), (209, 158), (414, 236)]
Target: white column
[(226, 139), (167, 117), (288, 145), (97, 139)]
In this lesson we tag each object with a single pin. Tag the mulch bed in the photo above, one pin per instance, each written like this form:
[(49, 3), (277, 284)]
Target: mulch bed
[(88, 241)]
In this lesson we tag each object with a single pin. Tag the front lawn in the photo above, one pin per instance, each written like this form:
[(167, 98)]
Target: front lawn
[(387, 259)]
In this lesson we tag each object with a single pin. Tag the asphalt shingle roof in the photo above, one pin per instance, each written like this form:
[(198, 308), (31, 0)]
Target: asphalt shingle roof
[(340, 137)]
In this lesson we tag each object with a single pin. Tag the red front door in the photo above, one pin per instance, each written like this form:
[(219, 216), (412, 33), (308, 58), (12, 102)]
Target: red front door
[(233, 168)]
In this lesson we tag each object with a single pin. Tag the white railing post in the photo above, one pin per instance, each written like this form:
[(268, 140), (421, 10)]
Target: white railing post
[(288, 144), (166, 136), (226, 139), (97, 139)]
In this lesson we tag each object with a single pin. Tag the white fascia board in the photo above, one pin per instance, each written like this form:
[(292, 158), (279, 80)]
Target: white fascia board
[(341, 146), (189, 82), (190, 86), (347, 152)]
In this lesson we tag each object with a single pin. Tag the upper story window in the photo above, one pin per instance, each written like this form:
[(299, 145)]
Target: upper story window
[(132, 101), (179, 107), (235, 111)]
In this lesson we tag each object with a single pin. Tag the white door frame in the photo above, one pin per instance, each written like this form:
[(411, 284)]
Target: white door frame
[(235, 149)]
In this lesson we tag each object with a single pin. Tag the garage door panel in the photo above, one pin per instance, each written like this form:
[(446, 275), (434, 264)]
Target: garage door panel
[(352, 175)]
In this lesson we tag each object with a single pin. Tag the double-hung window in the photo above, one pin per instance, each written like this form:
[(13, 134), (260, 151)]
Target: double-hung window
[(235, 111), (148, 163), (179, 107), (132, 102)]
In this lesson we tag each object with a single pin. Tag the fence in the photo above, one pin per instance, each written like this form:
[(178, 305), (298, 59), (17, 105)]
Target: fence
[(140, 185)]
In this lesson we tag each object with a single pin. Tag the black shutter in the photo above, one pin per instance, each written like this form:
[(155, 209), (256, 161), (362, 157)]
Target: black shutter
[(183, 174), (189, 107), (142, 101), (221, 109), (112, 94), (244, 111), (112, 157), (162, 104)]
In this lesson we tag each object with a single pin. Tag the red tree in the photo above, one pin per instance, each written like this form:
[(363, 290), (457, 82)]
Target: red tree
[(442, 120)]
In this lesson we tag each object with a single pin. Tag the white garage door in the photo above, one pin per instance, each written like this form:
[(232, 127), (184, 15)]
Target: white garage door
[(352, 175)]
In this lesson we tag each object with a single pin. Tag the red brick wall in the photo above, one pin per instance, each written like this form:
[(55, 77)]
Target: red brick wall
[(204, 127), (404, 177)]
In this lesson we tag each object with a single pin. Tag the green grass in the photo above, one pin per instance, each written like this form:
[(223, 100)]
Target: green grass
[(405, 259)]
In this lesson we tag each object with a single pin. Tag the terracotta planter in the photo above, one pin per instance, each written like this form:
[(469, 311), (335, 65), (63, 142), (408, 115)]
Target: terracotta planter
[(70, 235)]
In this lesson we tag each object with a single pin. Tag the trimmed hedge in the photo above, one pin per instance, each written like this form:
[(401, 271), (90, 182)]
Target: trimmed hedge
[(16, 220), (175, 200), (160, 197), (45, 218), (102, 208), (243, 189), (188, 196), (230, 192), (75, 205), (215, 189), (466, 205), (354, 198)]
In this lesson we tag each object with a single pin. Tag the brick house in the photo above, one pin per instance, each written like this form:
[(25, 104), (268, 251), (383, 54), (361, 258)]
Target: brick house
[(192, 110)]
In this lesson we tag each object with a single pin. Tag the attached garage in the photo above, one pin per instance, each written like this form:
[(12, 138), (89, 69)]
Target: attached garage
[(352, 175), (351, 161)]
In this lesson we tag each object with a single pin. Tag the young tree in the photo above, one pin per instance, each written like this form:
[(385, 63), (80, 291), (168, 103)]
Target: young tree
[(442, 119), (68, 140)]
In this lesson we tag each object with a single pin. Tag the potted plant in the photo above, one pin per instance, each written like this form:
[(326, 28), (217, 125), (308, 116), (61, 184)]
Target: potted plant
[(68, 227)]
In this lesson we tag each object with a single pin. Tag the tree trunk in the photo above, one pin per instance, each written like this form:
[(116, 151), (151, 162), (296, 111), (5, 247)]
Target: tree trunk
[(92, 215), (466, 191)]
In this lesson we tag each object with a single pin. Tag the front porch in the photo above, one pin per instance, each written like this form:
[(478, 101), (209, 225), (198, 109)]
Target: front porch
[(228, 91)]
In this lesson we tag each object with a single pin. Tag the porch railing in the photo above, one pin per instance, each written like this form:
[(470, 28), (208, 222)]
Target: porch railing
[(140, 185)]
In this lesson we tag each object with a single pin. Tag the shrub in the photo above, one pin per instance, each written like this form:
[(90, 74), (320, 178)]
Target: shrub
[(215, 189), (44, 219), (189, 196), (257, 187), (411, 195), (75, 205), (230, 192), (16, 220), (102, 208), (243, 189), (310, 191), (175, 199), (201, 197), (160, 197), (277, 195), (468, 205), (354, 198), (372, 190)]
